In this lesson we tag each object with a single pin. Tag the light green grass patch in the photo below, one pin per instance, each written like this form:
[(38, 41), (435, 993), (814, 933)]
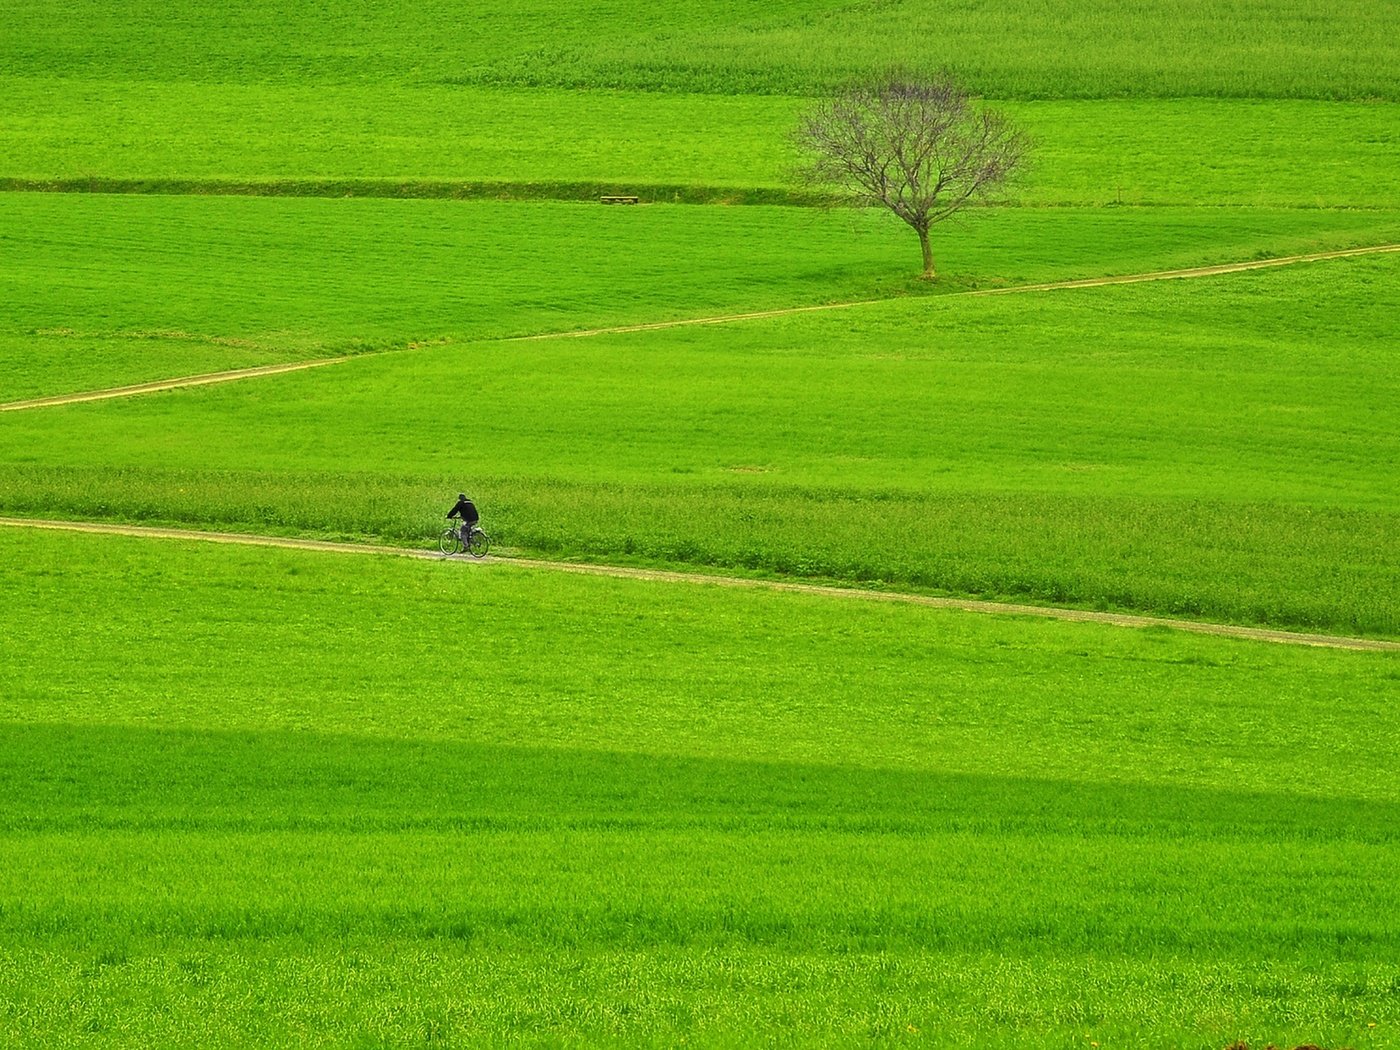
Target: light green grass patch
[(1098, 49), (287, 279), (30, 362), (1210, 447), (387, 796), (279, 138), (305, 278)]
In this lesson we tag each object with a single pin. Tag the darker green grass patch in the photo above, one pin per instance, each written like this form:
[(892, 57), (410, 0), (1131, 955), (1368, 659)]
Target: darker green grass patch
[(74, 778), (646, 192)]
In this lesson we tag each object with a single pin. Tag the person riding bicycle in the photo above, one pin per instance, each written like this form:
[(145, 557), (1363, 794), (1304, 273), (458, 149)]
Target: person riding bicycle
[(466, 510)]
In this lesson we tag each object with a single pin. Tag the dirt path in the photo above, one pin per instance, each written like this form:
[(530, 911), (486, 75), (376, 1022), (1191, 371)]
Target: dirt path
[(624, 572), (1049, 286), (1089, 282), (169, 384)]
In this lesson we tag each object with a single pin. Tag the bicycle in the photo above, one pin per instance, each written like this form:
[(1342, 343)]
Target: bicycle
[(477, 543)]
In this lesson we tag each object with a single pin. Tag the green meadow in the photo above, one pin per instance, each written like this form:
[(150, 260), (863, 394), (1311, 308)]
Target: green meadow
[(1016, 49), (333, 140), (275, 797), (1179, 104), (387, 802), (1203, 448), (102, 290)]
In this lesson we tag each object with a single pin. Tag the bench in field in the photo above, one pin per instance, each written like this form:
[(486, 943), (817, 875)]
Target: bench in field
[(618, 200)]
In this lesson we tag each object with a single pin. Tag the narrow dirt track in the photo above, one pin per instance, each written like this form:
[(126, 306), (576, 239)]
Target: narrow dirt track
[(1049, 286), (1088, 282), (1258, 634), (169, 384)]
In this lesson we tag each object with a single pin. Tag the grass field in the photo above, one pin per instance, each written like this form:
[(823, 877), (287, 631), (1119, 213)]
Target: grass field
[(861, 821), (104, 290), (1179, 104), (332, 140), (1217, 449), (1015, 49), (253, 796)]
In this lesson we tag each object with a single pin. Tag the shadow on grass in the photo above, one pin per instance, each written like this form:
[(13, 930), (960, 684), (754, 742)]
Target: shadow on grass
[(57, 777), (116, 833)]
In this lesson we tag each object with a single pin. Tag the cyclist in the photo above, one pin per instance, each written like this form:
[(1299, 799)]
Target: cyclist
[(466, 510)]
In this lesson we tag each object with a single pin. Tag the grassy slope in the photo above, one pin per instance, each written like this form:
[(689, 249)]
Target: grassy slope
[(312, 809), (292, 279), (279, 137), (260, 95), (102, 290), (1292, 49), (847, 827), (1217, 447)]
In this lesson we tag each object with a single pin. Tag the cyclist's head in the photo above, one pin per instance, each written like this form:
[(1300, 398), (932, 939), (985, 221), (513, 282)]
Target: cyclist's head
[(461, 495)]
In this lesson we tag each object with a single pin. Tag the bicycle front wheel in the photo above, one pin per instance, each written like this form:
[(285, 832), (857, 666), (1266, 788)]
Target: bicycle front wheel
[(478, 544), (449, 542)]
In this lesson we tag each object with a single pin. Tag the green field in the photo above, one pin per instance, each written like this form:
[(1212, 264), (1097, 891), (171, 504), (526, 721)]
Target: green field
[(1015, 49), (337, 139), (375, 799), (1211, 448), (102, 290), (278, 797)]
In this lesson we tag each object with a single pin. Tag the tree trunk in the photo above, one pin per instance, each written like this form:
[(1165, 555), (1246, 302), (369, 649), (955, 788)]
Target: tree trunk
[(929, 273)]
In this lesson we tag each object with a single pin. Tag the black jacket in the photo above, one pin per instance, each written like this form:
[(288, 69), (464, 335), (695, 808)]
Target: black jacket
[(466, 510)]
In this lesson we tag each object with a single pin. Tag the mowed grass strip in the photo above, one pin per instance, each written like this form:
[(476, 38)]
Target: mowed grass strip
[(109, 290), (286, 789), (1212, 448)]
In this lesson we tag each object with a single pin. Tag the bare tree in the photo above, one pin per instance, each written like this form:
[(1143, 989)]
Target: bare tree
[(922, 149)]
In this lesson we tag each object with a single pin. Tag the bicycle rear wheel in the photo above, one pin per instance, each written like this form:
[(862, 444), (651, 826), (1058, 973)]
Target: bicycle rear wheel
[(449, 542), (478, 543)]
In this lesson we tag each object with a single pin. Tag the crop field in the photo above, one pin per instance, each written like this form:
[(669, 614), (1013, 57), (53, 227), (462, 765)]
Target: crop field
[(1015, 49), (952, 443), (105, 290), (278, 796), (512, 142), (283, 792)]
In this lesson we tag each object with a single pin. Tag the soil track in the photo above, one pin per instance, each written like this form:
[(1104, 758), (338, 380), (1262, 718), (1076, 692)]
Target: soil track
[(1088, 282), (169, 384), (1049, 286), (624, 572)]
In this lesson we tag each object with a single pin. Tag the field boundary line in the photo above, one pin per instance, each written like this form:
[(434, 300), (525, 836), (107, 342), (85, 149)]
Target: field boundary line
[(1260, 634), (551, 190), (203, 379), (653, 326)]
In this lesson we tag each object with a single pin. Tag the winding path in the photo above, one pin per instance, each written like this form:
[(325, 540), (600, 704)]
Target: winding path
[(1050, 286), (1258, 634)]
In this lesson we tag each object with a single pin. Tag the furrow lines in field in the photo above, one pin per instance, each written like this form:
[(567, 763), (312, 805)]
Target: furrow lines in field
[(670, 576)]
